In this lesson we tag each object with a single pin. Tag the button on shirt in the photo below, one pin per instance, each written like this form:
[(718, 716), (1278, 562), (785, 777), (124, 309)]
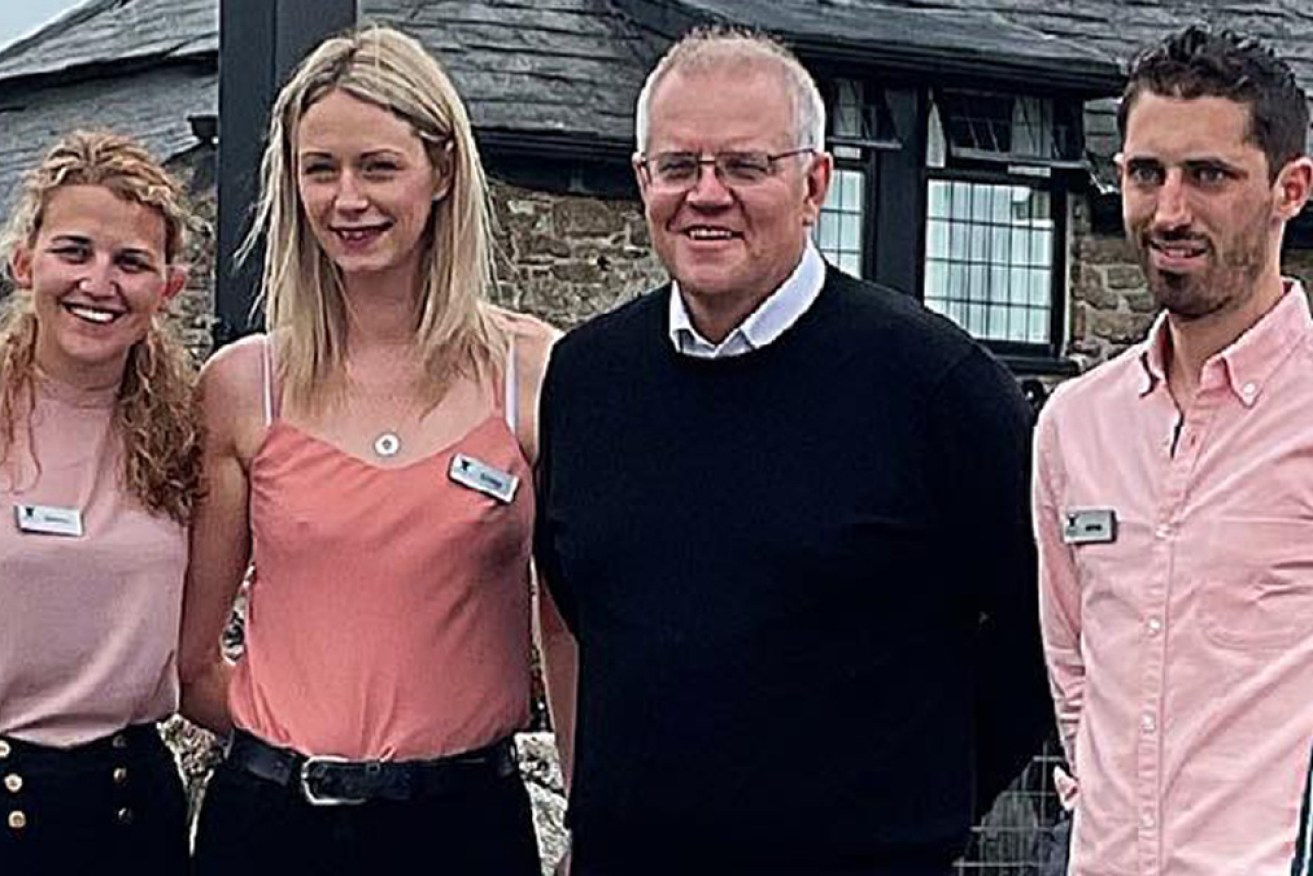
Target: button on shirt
[(1180, 645), (771, 319)]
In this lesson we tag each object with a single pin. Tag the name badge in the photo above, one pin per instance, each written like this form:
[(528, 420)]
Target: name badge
[(1089, 526), (470, 472), (48, 520)]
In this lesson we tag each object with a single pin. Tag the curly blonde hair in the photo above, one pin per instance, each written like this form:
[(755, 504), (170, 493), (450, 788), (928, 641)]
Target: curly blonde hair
[(154, 410), (302, 288)]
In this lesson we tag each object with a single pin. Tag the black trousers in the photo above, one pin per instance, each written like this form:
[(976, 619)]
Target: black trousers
[(251, 826), (115, 805)]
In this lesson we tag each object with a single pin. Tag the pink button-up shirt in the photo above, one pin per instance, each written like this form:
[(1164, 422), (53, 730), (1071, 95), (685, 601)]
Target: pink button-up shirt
[(1180, 647)]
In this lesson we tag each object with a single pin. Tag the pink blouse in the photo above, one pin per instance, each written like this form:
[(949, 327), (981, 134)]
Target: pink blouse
[(88, 624)]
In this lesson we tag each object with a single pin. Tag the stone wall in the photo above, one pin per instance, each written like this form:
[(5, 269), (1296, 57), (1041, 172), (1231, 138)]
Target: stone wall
[(192, 311), (1109, 308), (568, 257)]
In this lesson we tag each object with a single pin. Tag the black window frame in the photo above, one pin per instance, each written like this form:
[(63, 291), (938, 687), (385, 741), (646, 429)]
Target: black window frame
[(894, 248)]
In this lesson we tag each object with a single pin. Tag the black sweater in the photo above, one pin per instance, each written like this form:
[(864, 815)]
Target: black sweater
[(776, 567)]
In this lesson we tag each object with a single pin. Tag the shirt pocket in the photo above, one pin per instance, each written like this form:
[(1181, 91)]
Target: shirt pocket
[(1258, 594)]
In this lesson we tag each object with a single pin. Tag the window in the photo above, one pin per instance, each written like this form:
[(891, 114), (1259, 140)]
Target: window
[(995, 204), (858, 127), (989, 265), (957, 197)]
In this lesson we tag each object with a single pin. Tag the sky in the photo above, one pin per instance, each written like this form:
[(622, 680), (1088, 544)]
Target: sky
[(20, 17)]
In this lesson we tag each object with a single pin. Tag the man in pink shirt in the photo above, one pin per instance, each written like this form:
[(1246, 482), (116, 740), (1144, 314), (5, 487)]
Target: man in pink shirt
[(1174, 491)]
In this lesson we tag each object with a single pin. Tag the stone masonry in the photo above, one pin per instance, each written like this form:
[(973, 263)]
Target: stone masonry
[(568, 257)]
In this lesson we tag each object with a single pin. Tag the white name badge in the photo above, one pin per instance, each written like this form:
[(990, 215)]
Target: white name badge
[(470, 472), (49, 520), (1089, 526)]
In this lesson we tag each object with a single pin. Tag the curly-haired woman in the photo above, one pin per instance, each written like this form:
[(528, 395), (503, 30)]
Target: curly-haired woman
[(99, 463)]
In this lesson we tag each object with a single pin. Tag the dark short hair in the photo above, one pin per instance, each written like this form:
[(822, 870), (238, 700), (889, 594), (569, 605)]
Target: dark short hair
[(1200, 62)]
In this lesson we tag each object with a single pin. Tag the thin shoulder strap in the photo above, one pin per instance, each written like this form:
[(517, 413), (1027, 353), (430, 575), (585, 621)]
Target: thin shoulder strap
[(267, 374), (511, 401)]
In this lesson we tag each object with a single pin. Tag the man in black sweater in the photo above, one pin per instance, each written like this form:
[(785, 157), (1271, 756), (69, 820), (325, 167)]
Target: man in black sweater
[(783, 514)]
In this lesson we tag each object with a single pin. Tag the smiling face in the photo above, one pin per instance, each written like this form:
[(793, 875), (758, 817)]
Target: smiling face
[(366, 185), (97, 269), (1199, 207), (730, 247)]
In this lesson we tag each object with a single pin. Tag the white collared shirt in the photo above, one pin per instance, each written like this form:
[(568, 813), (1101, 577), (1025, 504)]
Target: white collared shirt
[(772, 318)]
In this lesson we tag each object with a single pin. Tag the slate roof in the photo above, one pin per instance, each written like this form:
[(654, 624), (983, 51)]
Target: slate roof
[(104, 32), (910, 37), (151, 105), (139, 67), (570, 67)]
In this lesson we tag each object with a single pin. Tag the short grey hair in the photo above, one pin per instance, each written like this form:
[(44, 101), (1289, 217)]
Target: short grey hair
[(709, 48)]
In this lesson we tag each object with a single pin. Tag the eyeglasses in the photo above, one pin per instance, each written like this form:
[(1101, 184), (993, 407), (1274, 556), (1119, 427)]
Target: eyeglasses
[(680, 171)]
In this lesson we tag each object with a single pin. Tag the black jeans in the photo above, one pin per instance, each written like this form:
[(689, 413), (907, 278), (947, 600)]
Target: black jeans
[(115, 805), (252, 826)]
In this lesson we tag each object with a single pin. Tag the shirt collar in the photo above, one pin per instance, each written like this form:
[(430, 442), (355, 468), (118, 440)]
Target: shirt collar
[(1249, 361), (772, 318)]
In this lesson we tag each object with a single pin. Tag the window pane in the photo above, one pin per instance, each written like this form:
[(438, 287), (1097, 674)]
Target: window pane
[(936, 280), (979, 239), (1040, 243), (998, 283), (1041, 284), (1001, 198), (1039, 326), (827, 237), (936, 242), (850, 233), (938, 198), (851, 191)]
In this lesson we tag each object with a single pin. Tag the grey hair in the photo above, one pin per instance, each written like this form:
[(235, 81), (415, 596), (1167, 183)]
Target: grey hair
[(708, 48)]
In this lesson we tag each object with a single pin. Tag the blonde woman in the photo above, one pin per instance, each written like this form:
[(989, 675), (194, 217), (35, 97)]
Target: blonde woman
[(99, 467), (371, 456)]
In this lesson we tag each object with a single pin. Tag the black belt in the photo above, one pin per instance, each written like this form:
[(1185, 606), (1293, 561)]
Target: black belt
[(330, 781)]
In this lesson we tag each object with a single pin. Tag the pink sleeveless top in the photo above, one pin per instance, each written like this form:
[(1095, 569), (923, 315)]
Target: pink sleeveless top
[(389, 613), (89, 624)]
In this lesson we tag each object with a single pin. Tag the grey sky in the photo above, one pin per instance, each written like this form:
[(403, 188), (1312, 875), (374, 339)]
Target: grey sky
[(20, 17)]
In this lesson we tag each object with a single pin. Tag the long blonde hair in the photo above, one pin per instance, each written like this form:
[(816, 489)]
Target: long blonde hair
[(302, 289), (154, 413)]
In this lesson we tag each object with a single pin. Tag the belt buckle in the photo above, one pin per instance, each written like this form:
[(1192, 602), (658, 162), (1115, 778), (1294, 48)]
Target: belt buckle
[(317, 799)]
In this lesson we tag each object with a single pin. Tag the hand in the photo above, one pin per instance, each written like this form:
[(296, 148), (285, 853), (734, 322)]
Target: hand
[(1067, 787)]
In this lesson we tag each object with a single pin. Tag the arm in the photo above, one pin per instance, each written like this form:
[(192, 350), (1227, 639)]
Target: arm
[(1059, 593), (220, 533), (981, 431), (534, 340), (557, 645), (560, 670)]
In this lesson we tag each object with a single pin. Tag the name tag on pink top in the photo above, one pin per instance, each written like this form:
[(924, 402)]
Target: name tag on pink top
[(1089, 526), (481, 477), (49, 520)]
